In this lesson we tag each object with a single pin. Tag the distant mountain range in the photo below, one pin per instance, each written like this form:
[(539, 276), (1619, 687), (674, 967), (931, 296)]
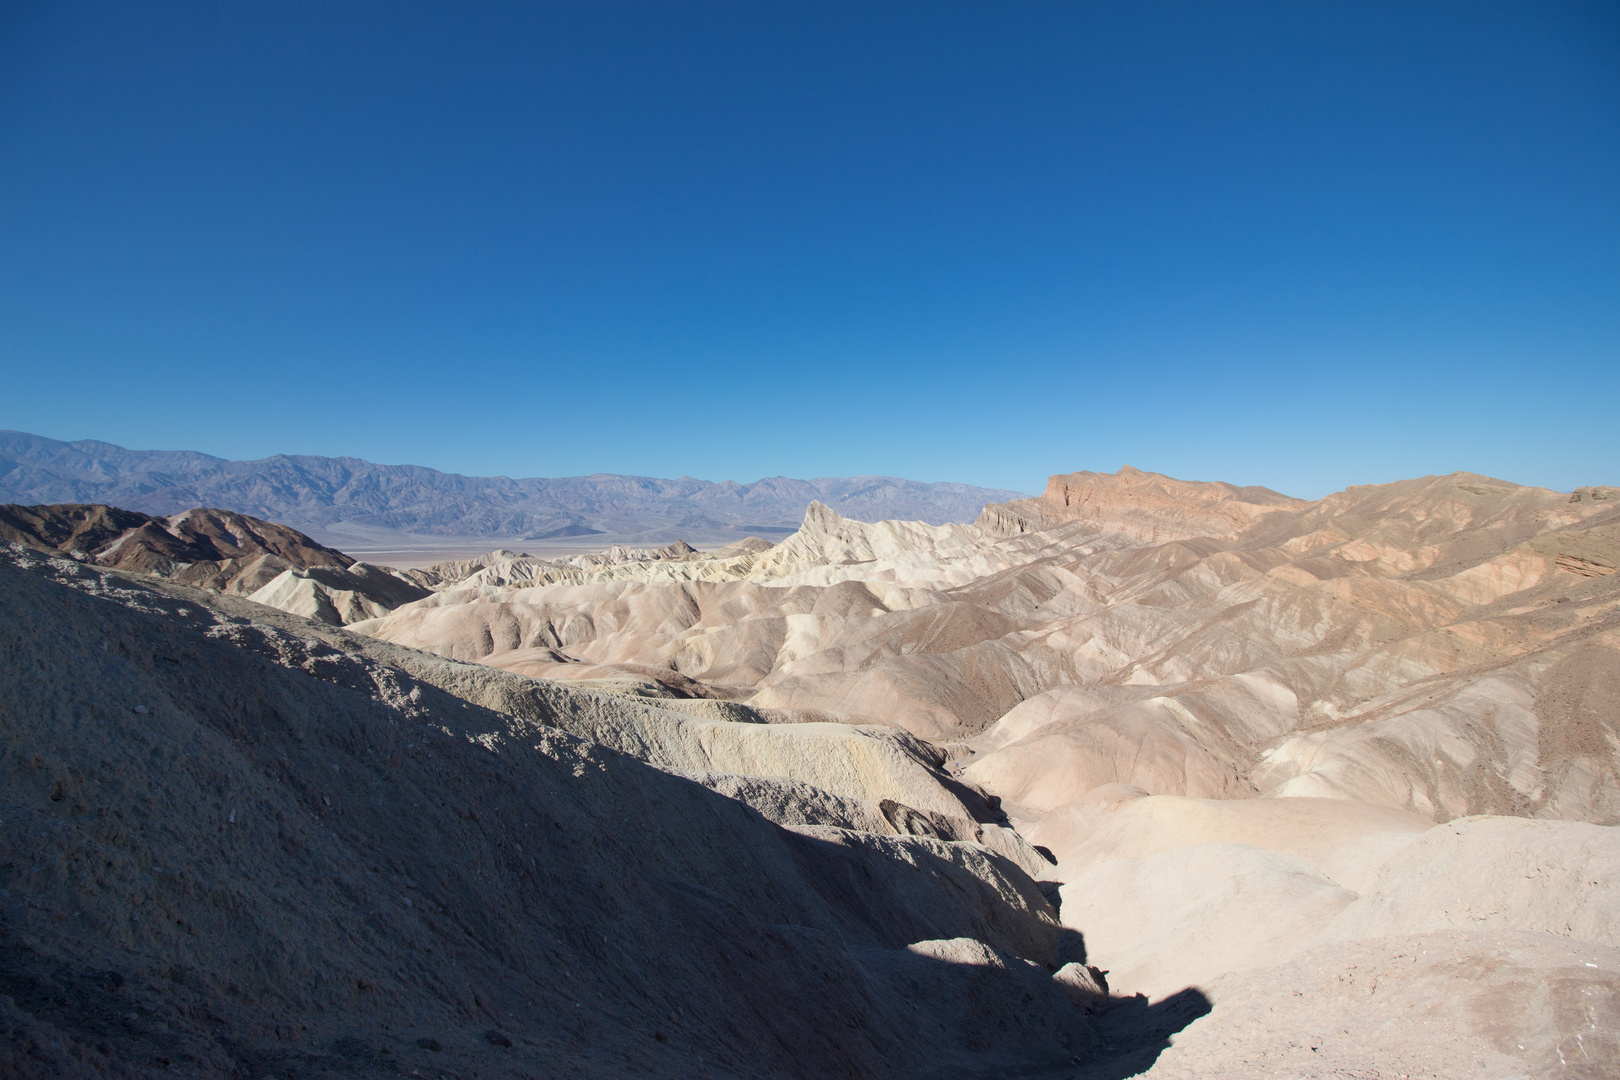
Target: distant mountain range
[(345, 494)]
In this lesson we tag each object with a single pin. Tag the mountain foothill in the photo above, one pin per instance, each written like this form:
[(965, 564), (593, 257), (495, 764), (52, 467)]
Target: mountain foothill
[(1140, 776)]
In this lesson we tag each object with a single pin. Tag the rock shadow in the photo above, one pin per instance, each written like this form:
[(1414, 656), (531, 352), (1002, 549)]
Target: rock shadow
[(1135, 1032)]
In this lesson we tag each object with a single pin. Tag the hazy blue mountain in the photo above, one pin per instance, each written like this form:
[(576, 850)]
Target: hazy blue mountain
[(319, 493)]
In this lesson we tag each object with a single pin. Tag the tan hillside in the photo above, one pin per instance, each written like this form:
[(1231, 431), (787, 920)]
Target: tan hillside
[(1442, 645)]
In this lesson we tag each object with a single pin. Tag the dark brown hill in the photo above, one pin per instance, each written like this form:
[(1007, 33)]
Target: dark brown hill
[(213, 549), (127, 540)]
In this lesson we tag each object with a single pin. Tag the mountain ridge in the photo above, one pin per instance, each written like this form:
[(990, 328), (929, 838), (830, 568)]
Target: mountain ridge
[(316, 493)]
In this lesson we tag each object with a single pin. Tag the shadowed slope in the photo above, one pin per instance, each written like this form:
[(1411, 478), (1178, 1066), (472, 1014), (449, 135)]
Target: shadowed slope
[(235, 844)]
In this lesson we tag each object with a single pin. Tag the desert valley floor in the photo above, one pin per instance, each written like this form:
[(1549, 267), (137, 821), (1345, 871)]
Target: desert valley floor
[(1139, 777)]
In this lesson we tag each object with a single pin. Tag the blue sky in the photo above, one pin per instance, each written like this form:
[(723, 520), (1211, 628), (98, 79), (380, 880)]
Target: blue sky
[(1299, 245)]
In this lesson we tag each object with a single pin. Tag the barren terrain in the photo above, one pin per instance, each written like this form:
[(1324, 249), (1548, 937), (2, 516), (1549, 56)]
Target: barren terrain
[(1327, 789)]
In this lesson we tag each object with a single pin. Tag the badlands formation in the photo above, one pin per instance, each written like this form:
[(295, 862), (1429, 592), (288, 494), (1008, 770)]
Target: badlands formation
[(1326, 789), (216, 549)]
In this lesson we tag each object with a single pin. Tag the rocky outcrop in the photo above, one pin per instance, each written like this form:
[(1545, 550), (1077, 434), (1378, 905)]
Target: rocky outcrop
[(1147, 507)]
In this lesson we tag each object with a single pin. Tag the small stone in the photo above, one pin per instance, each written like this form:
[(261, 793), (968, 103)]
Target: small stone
[(497, 1038)]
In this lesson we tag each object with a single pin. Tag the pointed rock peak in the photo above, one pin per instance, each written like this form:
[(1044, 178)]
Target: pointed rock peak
[(819, 516)]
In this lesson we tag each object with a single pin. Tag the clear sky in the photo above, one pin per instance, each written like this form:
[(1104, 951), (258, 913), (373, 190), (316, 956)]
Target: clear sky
[(1295, 244)]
